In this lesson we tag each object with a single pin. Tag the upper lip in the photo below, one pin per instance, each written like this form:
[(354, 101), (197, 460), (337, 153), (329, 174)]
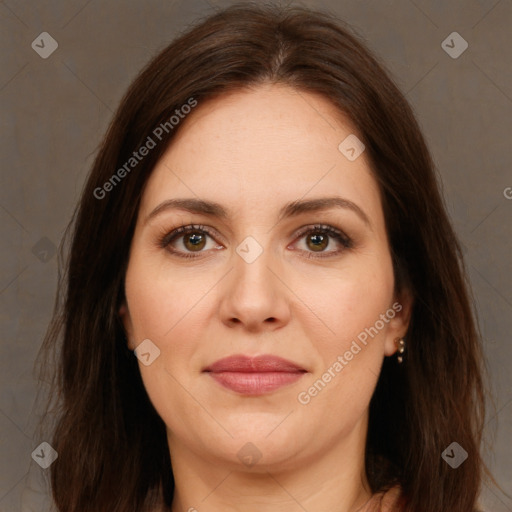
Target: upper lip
[(255, 364)]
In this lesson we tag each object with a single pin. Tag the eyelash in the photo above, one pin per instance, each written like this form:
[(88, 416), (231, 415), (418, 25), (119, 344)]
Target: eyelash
[(323, 229)]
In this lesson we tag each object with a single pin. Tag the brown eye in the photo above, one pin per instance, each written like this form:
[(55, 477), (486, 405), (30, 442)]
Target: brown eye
[(194, 241), (189, 241), (317, 242), (316, 239)]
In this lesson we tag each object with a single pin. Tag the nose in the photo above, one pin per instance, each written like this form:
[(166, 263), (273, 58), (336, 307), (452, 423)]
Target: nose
[(254, 297)]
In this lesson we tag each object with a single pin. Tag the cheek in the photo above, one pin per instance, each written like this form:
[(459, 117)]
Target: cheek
[(164, 309), (342, 307), (351, 353), (171, 309), (162, 302)]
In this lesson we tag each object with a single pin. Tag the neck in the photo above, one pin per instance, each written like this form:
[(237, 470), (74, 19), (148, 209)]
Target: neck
[(334, 479)]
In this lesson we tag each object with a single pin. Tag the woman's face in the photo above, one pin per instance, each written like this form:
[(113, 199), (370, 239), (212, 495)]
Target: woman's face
[(273, 275)]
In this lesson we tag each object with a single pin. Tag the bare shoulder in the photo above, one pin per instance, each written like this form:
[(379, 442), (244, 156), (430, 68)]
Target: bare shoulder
[(392, 500)]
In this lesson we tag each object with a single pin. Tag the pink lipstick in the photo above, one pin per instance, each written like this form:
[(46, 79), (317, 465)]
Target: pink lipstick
[(254, 375)]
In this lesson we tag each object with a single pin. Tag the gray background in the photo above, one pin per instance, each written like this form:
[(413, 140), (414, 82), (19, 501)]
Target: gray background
[(55, 111)]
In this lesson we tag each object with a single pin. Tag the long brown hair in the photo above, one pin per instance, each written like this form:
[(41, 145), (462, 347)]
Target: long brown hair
[(112, 446)]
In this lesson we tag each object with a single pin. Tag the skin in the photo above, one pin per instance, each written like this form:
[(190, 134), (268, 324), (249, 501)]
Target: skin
[(253, 151)]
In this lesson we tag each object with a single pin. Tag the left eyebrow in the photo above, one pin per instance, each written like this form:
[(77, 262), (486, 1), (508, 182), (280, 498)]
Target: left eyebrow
[(292, 209), (321, 204)]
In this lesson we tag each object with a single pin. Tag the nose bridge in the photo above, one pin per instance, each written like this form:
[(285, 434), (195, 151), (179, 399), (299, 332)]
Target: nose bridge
[(254, 294), (252, 277)]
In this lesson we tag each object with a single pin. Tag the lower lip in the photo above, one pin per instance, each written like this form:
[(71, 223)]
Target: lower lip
[(255, 383)]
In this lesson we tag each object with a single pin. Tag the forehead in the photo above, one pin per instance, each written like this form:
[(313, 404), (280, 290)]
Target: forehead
[(270, 143), (266, 121)]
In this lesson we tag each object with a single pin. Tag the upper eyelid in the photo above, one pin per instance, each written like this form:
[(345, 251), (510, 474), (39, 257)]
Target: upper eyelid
[(210, 231), (180, 231)]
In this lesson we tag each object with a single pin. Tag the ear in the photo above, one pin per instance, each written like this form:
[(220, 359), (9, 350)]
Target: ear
[(124, 314), (398, 325)]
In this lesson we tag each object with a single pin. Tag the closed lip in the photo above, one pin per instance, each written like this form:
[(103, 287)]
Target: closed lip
[(254, 364)]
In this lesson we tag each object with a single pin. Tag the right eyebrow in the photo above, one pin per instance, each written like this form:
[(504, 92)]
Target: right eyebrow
[(191, 205)]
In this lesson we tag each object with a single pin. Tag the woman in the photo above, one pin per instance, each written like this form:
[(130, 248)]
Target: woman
[(266, 306)]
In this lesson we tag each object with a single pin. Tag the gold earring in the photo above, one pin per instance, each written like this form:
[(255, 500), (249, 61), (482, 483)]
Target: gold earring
[(400, 342)]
